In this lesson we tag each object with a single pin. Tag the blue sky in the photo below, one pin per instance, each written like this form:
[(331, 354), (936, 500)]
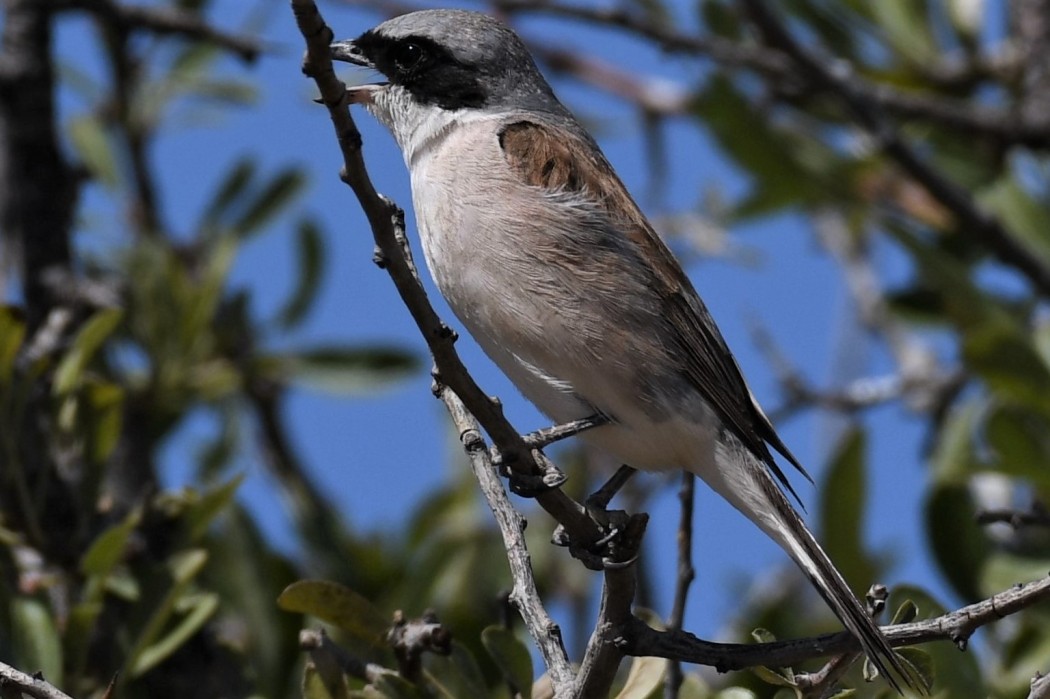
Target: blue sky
[(379, 455)]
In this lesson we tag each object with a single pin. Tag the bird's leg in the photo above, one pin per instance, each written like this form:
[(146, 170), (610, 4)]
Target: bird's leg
[(549, 477)]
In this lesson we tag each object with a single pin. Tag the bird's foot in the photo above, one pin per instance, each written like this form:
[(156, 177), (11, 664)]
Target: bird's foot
[(620, 532), (530, 485)]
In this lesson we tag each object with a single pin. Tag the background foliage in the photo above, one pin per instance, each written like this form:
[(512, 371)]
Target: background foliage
[(119, 326)]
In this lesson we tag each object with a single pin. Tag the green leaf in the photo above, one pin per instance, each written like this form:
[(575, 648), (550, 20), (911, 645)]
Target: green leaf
[(87, 342), (337, 605), (959, 544), (37, 645), (1020, 440), (203, 513), (454, 675), (150, 648), (511, 655), (196, 610), (906, 25), (269, 202), (789, 169), (842, 507), (90, 140), (905, 613), (1025, 219), (107, 550), (314, 686), (953, 458), (778, 677), (396, 687), (105, 418), (12, 332), (310, 248), (341, 369), (645, 677), (232, 188)]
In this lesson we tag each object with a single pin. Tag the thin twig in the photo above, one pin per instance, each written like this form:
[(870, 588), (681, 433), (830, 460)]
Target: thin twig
[(684, 575), (27, 684), (525, 595), (166, 21)]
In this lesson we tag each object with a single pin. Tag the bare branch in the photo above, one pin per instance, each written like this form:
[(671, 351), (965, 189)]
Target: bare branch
[(684, 575), (957, 626), (525, 595), (27, 684), (1037, 516), (166, 21)]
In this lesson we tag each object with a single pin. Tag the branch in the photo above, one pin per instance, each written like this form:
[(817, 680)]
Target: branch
[(776, 65), (685, 574), (166, 21), (1037, 516), (27, 684), (838, 78), (639, 639), (525, 595), (37, 187)]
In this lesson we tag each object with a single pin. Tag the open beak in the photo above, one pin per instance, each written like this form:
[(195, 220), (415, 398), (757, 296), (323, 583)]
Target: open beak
[(348, 52)]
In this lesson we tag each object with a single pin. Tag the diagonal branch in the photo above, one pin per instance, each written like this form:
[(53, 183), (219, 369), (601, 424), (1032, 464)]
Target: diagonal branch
[(957, 627)]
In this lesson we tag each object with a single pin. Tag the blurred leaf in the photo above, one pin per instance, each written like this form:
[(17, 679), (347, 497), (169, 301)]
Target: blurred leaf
[(87, 342), (89, 138), (37, 645), (645, 677), (920, 666), (842, 510), (235, 184), (455, 675), (1021, 441), (1004, 570), (12, 332), (314, 686), (778, 677), (1024, 218), (397, 687), (768, 154), (337, 605), (906, 25), (202, 513), (310, 248), (233, 92), (106, 417), (107, 550), (269, 201), (151, 647), (905, 613), (953, 457), (341, 369), (959, 544), (196, 610), (511, 656)]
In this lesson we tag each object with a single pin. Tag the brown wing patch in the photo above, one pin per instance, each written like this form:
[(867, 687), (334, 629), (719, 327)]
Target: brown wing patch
[(562, 161)]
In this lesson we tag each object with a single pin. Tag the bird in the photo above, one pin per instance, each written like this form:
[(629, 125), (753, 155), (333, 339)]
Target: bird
[(548, 262)]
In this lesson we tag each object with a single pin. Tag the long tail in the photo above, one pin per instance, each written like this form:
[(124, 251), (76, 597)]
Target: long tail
[(742, 479)]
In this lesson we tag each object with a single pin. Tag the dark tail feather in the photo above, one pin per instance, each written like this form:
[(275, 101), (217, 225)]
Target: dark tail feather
[(797, 540)]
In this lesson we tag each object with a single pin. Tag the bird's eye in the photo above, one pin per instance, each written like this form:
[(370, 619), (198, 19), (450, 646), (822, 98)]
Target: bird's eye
[(408, 56)]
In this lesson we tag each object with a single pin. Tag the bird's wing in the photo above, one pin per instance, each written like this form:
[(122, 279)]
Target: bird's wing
[(559, 160)]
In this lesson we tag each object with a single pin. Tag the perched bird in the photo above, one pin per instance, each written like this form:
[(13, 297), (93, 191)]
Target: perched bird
[(546, 259)]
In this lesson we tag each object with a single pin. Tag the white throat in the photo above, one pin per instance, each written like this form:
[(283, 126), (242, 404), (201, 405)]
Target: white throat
[(417, 128)]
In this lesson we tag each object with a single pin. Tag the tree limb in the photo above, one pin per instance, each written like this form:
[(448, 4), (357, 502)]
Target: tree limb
[(27, 684), (639, 639)]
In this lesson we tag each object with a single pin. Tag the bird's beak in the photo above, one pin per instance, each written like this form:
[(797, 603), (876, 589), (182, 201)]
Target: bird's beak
[(348, 52)]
